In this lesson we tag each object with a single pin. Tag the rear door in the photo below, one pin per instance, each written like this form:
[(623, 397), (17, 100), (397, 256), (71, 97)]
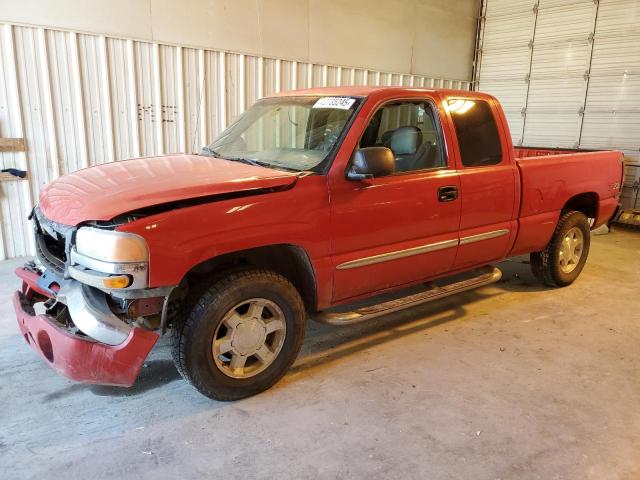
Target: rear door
[(402, 228), (488, 182)]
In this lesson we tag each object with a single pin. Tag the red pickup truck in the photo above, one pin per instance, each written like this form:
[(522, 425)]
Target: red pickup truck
[(314, 204)]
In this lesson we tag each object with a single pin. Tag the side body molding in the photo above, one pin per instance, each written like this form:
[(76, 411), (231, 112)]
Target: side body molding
[(432, 247)]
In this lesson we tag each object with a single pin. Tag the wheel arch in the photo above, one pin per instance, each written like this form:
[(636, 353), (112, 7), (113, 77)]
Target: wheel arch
[(586, 203), (290, 261)]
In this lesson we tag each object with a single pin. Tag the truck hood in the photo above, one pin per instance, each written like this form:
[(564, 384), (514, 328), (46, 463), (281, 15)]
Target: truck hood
[(108, 190)]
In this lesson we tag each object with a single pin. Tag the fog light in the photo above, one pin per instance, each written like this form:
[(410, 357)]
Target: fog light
[(117, 281)]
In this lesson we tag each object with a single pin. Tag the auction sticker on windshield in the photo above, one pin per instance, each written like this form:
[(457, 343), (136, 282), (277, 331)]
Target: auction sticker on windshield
[(342, 103)]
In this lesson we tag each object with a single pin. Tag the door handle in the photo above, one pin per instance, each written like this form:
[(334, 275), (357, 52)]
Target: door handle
[(448, 193)]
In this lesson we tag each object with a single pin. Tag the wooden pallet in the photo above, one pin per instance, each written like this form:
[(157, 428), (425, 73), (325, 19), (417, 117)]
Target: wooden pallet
[(13, 145)]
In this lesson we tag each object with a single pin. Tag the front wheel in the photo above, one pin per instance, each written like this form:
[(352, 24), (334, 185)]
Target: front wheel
[(241, 336), (562, 260)]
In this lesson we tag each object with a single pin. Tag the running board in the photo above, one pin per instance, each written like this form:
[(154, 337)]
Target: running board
[(483, 276)]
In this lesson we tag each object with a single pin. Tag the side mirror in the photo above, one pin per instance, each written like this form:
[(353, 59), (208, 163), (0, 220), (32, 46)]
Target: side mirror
[(371, 162)]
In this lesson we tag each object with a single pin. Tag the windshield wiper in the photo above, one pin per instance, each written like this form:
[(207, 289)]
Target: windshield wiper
[(280, 166), (249, 161), (213, 152), (210, 151)]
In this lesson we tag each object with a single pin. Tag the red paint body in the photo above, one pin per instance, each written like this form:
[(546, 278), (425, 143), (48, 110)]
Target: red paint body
[(336, 220), (103, 192)]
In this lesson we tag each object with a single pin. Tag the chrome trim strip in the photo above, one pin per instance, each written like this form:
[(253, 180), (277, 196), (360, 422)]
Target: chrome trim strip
[(104, 266), (88, 277), (385, 257), (91, 314), (483, 236), (92, 271), (95, 278), (432, 247)]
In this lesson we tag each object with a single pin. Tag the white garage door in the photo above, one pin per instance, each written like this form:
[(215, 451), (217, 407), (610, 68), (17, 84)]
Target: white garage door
[(567, 73)]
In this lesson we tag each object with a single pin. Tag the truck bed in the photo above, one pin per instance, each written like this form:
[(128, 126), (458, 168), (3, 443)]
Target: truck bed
[(552, 177)]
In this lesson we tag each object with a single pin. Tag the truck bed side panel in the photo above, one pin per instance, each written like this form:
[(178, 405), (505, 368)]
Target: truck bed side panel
[(549, 182)]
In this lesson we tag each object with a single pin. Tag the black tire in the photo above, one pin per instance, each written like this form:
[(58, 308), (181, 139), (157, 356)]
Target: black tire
[(192, 339), (546, 264)]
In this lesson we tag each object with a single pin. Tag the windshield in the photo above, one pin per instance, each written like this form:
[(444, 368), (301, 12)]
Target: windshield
[(291, 133)]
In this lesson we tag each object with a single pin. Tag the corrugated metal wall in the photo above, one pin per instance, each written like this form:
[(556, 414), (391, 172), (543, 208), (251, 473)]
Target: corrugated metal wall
[(81, 100), (567, 73)]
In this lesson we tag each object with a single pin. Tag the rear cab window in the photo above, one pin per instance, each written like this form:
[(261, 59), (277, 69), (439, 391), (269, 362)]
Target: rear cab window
[(477, 132)]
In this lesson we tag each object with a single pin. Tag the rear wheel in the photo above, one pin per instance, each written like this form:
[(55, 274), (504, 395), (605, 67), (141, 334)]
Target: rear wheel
[(241, 336), (562, 260)]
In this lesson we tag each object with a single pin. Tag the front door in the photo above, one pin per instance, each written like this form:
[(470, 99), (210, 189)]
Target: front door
[(398, 229)]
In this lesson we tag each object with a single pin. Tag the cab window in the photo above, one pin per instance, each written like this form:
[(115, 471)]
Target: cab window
[(410, 130), (478, 137)]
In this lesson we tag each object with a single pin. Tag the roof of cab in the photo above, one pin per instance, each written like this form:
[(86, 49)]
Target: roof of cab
[(365, 91)]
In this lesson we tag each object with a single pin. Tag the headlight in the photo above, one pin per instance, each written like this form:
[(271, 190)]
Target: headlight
[(111, 246)]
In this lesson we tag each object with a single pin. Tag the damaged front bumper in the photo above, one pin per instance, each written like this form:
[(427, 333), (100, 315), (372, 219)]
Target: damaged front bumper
[(106, 351)]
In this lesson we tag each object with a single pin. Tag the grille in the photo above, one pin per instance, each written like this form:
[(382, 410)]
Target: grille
[(50, 252), (50, 243)]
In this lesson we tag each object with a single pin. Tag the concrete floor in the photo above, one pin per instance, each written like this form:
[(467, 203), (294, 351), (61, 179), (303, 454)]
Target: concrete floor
[(513, 381)]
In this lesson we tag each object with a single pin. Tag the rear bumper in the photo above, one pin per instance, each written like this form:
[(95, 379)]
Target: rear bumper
[(79, 358)]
